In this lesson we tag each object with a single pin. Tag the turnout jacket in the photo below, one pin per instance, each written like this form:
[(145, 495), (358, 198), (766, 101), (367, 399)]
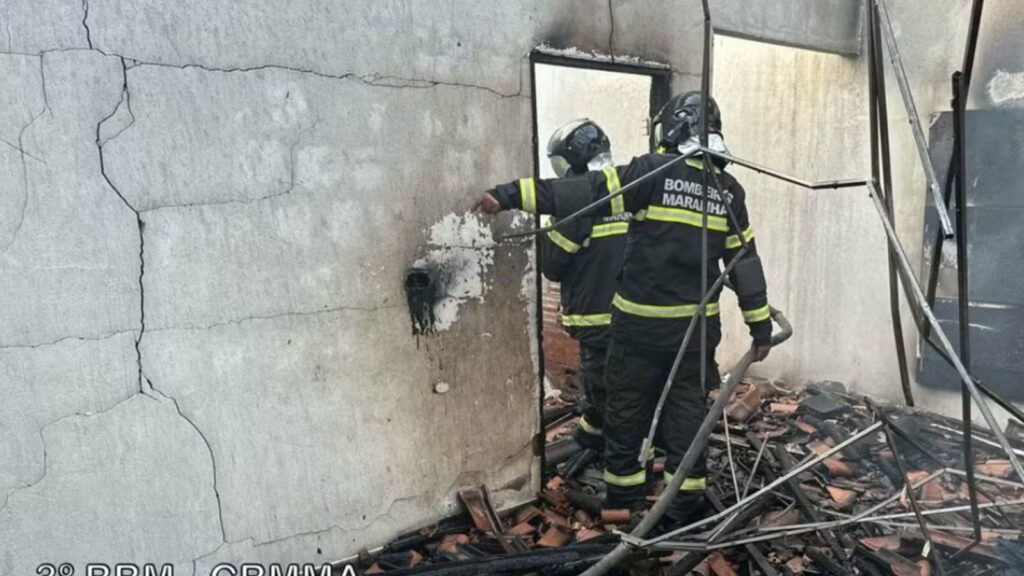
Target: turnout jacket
[(585, 256), (659, 285)]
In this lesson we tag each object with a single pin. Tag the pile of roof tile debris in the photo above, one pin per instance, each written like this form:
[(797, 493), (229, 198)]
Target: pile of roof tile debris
[(847, 514)]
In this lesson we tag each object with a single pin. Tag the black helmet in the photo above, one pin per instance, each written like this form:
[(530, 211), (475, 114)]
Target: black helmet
[(679, 120), (575, 144)]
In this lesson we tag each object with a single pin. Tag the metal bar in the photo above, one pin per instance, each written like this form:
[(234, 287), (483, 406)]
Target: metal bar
[(984, 478), (804, 502), (777, 482), (1004, 404), (882, 117), (855, 517), (912, 116), (948, 528), (965, 377), (690, 458), (963, 292), (929, 546), (818, 185), (599, 202), (649, 440), (780, 531), (705, 96), (873, 89), (925, 330), (966, 68), (753, 471), (685, 564), (728, 452), (961, 508), (972, 484), (786, 531)]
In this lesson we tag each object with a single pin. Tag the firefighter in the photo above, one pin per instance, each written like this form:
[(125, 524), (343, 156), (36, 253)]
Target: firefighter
[(658, 292), (585, 257)]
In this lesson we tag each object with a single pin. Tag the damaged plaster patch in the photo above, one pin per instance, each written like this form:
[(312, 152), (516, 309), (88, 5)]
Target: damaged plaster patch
[(528, 294), (1006, 86), (462, 249)]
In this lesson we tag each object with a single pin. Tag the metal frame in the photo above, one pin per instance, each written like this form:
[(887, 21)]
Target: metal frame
[(900, 272)]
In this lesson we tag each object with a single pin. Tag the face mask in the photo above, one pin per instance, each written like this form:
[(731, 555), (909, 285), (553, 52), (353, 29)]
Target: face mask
[(600, 162)]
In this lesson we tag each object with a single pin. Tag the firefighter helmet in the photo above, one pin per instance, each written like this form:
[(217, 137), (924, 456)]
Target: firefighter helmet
[(574, 147)]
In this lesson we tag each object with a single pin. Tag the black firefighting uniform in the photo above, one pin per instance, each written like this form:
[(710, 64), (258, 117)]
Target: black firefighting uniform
[(658, 292), (585, 256)]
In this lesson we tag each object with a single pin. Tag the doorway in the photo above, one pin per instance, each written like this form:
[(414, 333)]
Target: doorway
[(618, 97)]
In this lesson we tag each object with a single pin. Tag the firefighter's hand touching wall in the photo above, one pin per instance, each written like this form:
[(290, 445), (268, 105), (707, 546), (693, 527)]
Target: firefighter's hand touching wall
[(487, 204)]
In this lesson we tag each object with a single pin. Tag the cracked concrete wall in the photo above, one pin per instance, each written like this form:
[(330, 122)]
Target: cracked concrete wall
[(206, 213)]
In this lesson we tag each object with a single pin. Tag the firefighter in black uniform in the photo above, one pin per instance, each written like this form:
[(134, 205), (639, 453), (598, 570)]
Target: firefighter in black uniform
[(659, 289), (585, 257)]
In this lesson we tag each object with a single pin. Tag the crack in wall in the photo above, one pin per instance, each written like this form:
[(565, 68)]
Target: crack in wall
[(189, 327), (24, 165), (209, 449), (146, 387), (370, 79), (254, 318), (126, 96), (63, 339), (42, 440), (611, 30), (85, 23)]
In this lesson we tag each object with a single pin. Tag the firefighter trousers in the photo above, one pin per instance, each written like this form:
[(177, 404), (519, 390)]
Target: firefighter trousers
[(634, 378), (592, 362)]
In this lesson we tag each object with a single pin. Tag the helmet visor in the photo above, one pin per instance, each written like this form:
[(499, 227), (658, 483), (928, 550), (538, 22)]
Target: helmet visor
[(658, 132), (561, 136), (560, 165)]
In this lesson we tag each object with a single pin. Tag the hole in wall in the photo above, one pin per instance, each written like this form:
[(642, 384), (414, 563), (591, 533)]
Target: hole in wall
[(421, 291)]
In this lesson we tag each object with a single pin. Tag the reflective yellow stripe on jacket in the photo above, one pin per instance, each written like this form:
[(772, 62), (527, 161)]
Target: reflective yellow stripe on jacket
[(681, 216), (586, 319), (757, 314), (690, 484), (558, 239), (734, 240), (611, 177), (528, 194), (654, 311), (609, 229)]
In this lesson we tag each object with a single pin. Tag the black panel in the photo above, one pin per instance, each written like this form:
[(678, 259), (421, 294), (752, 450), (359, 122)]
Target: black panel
[(995, 191), (997, 349)]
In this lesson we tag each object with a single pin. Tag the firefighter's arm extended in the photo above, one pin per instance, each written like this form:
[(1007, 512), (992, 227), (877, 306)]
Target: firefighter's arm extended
[(563, 196), (747, 277)]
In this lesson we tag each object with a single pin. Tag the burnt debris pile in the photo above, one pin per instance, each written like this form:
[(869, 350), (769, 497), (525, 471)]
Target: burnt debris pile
[(815, 482)]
